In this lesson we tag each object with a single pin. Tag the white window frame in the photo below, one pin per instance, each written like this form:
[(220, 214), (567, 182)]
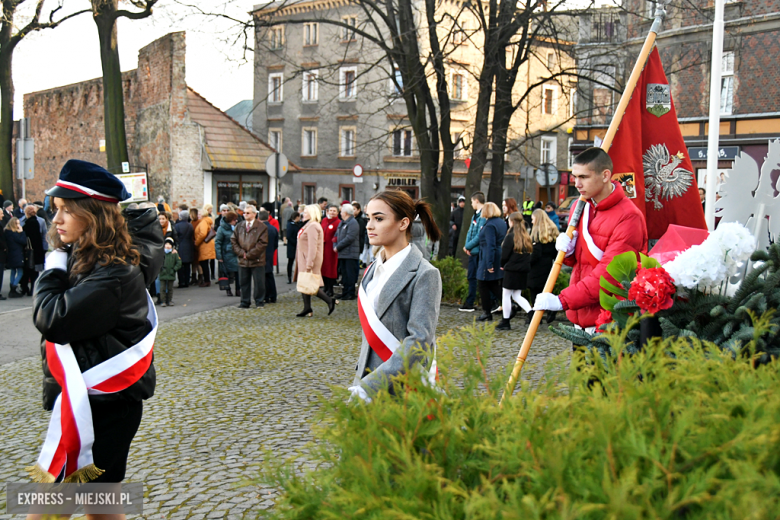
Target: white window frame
[(276, 37), (550, 60), (457, 142), (572, 101), (271, 138), (343, 83), (727, 83), (402, 134), (554, 101), (570, 155), (311, 34), (312, 152), (464, 94), (551, 150), (347, 141), (347, 34), (310, 87), (394, 92), (272, 90), (460, 35)]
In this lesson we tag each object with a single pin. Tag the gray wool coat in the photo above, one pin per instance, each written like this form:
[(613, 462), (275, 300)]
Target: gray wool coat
[(409, 307)]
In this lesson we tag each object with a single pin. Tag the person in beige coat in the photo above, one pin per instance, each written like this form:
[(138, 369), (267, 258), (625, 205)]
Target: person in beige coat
[(206, 250), (308, 258)]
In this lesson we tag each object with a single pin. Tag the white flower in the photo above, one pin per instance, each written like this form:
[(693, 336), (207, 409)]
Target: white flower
[(709, 264)]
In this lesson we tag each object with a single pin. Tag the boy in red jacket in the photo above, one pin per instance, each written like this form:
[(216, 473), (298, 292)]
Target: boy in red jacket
[(610, 225)]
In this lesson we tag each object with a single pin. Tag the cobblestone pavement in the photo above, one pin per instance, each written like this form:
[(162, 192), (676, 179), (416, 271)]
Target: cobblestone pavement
[(231, 384)]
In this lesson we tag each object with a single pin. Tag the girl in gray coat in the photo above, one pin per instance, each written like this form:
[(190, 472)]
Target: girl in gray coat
[(399, 296)]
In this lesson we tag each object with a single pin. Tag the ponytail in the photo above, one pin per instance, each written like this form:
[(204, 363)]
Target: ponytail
[(423, 209)]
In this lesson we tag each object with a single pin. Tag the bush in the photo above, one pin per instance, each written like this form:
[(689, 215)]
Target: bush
[(454, 285), (563, 280), (675, 431)]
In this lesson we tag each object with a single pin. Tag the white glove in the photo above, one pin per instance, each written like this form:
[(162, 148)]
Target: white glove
[(57, 259), (547, 302), (358, 391), (566, 244)]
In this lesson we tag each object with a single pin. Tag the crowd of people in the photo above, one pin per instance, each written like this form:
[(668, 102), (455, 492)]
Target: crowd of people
[(23, 244)]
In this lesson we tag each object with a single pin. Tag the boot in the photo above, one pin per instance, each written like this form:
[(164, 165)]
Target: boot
[(199, 281), (159, 300), (206, 282), (528, 317), (238, 291), (14, 292), (504, 325), (229, 291), (485, 317)]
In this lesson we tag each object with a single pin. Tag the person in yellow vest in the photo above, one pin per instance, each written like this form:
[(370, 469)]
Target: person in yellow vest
[(528, 209)]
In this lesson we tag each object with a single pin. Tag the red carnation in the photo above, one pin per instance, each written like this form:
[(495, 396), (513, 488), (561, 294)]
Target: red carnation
[(604, 318), (652, 289)]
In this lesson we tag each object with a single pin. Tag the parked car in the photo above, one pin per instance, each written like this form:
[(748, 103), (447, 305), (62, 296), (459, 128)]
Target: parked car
[(564, 209)]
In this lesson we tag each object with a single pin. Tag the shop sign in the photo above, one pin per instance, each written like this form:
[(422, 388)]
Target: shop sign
[(395, 181)]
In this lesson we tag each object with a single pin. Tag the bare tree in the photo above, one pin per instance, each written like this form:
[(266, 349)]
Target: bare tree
[(106, 13), (10, 36)]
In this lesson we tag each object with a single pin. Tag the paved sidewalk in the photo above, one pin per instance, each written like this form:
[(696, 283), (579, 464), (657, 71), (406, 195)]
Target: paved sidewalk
[(232, 383)]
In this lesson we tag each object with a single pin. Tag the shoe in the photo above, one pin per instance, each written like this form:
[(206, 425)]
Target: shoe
[(528, 317), (164, 304), (180, 286), (467, 308), (259, 305), (306, 313), (2, 297), (170, 304), (242, 306), (238, 291), (229, 291), (496, 308), (485, 317), (289, 282), (515, 309), (158, 302), (551, 316), (504, 325), (15, 292), (206, 283), (332, 306), (348, 298)]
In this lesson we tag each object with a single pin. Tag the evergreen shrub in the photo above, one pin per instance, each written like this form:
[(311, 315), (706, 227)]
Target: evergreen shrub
[(679, 430), (454, 284)]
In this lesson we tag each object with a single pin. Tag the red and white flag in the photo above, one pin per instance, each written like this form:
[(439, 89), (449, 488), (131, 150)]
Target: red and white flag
[(650, 157), (69, 439)]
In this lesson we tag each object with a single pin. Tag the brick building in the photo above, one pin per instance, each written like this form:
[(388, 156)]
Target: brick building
[(188, 147), (610, 39)]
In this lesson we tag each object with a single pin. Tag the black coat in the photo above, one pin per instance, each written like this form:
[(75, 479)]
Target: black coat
[(292, 238), (362, 223), (3, 250), (16, 243), (186, 237), (491, 236), (173, 235), (6, 218), (542, 260), (516, 265), (270, 249), (32, 228), (103, 313)]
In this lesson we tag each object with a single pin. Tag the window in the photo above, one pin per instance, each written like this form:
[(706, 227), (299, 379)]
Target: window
[(347, 192), (311, 34), (397, 83), (309, 142), (570, 154), (459, 36), (309, 195), (727, 83), (348, 33), (550, 60), (572, 101), (347, 148), (309, 89), (276, 36), (275, 138), (457, 141), (549, 145), (348, 82), (402, 143), (275, 88), (459, 86), (550, 100)]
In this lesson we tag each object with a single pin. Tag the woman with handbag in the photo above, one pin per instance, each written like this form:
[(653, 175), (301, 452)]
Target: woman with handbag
[(308, 261), (226, 257), (17, 242), (35, 254), (204, 241), (399, 297)]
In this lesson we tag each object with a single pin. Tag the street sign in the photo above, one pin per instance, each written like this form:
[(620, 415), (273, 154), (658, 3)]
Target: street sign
[(125, 167), (357, 170), (271, 165), (25, 158)]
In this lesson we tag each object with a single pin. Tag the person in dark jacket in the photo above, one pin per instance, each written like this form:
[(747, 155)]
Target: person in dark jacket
[(516, 263), (3, 259), (32, 229), (270, 251), (92, 296), (456, 222), (294, 226), (348, 248), (543, 235), (489, 273), (185, 248), (171, 266), (228, 262), (7, 213), (169, 231), (16, 241), (362, 221)]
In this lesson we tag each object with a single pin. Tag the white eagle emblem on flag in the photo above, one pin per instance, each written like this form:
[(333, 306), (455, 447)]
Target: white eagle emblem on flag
[(663, 179)]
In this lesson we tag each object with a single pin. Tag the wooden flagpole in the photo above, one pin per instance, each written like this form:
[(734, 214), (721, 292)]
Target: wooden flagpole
[(660, 13)]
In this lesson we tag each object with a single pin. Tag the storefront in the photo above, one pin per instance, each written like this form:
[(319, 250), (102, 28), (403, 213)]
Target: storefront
[(235, 187), (409, 184)]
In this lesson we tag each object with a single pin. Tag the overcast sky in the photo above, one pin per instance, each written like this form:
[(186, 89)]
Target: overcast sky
[(70, 52)]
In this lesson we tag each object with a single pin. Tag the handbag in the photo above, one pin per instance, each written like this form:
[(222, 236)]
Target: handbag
[(29, 256), (224, 278), (210, 235), (308, 283)]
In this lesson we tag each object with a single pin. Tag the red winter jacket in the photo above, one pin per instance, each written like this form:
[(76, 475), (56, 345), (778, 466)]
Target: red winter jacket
[(615, 225)]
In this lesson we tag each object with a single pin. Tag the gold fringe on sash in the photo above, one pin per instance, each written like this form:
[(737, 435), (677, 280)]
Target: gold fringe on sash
[(80, 476)]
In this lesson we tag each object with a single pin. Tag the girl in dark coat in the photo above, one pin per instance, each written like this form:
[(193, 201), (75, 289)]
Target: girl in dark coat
[(92, 298), (516, 263), (16, 241), (543, 235), (32, 229), (489, 273), (185, 247), (293, 227)]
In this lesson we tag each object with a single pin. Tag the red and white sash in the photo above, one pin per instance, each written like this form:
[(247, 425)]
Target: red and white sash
[(591, 251), (379, 337), (71, 435)]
